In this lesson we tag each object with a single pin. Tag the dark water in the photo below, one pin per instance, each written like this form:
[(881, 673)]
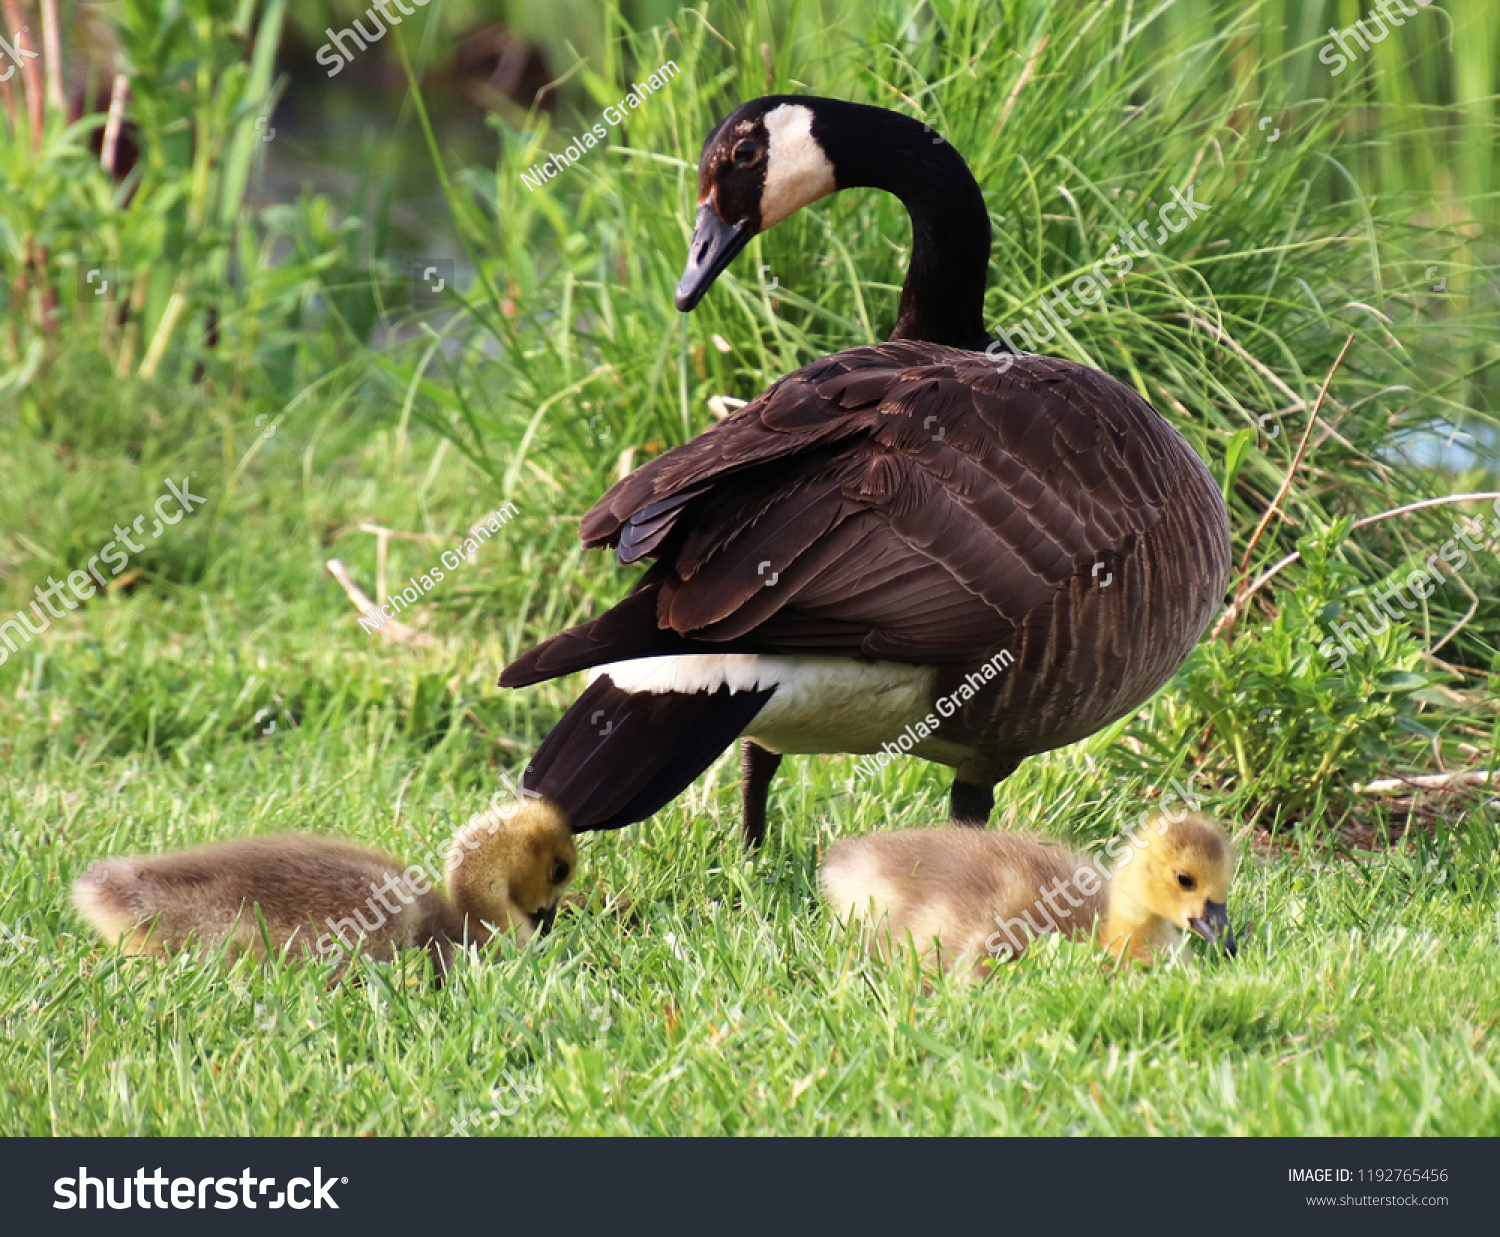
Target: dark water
[(362, 147)]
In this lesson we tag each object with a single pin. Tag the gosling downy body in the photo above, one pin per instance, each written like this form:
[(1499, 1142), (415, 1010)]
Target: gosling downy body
[(932, 546), (964, 898), (331, 897)]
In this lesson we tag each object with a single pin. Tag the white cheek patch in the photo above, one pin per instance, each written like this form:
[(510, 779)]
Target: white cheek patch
[(797, 170)]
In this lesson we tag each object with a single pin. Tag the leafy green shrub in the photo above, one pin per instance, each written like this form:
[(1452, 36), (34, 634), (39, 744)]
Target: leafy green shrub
[(1277, 709)]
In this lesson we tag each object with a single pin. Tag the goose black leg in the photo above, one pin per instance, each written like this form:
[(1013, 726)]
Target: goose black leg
[(757, 767), (973, 796), (971, 804)]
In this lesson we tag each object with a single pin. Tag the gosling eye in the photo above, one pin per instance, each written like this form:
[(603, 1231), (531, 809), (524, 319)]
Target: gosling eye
[(745, 152), (559, 872), (1184, 881)]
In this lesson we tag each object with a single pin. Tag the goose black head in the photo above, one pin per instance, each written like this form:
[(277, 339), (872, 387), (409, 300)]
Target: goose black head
[(772, 156), (762, 163)]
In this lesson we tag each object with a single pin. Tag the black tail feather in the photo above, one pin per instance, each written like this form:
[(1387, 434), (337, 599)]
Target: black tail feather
[(617, 757), (627, 630), (630, 629)]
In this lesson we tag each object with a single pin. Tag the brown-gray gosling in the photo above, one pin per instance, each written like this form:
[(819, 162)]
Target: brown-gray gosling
[(329, 896), (968, 898)]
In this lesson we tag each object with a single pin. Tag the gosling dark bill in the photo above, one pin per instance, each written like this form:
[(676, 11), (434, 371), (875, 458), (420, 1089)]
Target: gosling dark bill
[(1213, 927)]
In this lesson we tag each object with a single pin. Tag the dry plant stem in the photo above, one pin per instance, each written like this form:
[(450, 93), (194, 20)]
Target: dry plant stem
[(52, 60), (118, 94), (1226, 624), (1429, 781), (157, 349), (1015, 91), (31, 77), (369, 526), (33, 258), (1463, 622), (1291, 472), (8, 100), (383, 537), (401, 797), (392, 632), (1295, 402), (1254, 362), (1270, 573)]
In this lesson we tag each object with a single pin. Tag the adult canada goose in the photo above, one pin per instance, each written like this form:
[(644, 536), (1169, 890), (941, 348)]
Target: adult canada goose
[(915, 546), (328, 895), (962, 897)]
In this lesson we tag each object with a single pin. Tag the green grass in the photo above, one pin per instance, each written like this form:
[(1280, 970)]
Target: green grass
[(724, 999)]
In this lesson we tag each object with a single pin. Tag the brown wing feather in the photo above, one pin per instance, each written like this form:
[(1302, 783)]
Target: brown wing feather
[(911, 468), (912, 502)]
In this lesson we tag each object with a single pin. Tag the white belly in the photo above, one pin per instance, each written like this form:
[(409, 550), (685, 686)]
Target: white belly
[(822, 704)]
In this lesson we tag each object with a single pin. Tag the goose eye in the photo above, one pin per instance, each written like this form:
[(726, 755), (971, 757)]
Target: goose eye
[(559, 872), (1185, 881), (744, 153)]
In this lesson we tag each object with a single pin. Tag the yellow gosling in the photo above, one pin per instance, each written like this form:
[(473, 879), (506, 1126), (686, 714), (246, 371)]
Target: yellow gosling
[(325, 895), (967, 898)]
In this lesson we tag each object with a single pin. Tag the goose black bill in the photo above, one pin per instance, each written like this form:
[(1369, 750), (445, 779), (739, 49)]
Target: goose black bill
[(713, 247), (1214, 927)]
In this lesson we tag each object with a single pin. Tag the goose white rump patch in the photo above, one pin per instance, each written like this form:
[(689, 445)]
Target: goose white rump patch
[(822, 704)]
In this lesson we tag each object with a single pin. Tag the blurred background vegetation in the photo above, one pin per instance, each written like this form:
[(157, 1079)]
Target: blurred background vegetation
[(266, 333), (263, 226)]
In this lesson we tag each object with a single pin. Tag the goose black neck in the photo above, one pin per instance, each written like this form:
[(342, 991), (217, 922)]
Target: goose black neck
[(942, 301)]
